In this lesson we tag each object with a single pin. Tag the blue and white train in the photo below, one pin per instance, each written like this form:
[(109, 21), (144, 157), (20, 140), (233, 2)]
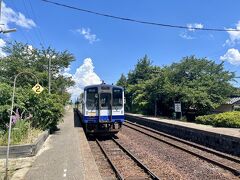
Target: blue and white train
[(102, 108)]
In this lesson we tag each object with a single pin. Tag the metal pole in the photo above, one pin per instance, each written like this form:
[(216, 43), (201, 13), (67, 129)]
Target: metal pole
[(155, 108), (0, 11), (10, 120), (49, 75), (10, 127)]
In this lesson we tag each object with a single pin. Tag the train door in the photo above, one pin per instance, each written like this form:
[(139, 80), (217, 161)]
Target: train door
[(105, 110)]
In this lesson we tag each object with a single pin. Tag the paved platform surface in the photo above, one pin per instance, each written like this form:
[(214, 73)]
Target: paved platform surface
[(234, 132), (68, 155)]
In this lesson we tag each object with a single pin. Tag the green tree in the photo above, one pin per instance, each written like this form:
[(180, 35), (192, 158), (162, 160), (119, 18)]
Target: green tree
[(142, 71), (200, 84), (137, 97), (22, 57), (122, 81), (46, 110)]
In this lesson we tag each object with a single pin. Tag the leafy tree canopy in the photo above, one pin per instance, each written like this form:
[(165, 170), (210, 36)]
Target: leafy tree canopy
[(22, 57), (45, 109), (200, 84)]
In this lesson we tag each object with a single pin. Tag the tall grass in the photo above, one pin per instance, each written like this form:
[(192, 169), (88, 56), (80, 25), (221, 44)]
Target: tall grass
[(21, 133)]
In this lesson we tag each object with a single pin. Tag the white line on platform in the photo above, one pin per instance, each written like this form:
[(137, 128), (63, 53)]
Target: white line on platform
[(65, 173)]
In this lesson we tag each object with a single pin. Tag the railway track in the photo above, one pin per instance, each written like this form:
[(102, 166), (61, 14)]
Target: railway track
[(124, 164), (222, 160)]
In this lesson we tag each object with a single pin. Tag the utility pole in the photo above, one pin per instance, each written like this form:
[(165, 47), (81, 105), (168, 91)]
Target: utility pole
[(2, 30), (49, 75), (50, 57)]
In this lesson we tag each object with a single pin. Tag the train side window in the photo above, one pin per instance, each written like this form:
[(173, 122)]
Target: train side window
[(117, 97)]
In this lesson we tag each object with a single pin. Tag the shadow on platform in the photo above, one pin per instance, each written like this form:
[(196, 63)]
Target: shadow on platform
[(77, 121)]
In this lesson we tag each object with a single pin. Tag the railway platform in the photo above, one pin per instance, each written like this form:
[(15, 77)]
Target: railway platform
[(221, 139), (67, 154)]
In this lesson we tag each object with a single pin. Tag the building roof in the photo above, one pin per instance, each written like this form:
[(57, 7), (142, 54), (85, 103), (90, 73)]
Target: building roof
[(233, 100)]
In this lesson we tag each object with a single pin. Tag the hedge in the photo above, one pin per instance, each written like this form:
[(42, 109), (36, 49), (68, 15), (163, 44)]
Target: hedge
[(227, 119)]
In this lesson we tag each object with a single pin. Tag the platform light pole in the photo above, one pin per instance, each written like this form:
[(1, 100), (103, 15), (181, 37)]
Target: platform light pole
[(2, 30), (10, 119)]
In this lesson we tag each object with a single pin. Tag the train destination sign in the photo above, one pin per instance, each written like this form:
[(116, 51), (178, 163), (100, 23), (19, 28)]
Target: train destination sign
[(37, 88)]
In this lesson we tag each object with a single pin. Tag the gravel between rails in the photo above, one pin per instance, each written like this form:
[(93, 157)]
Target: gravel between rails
[(103, 166), (168, 162), (218, 157), (125, 165)]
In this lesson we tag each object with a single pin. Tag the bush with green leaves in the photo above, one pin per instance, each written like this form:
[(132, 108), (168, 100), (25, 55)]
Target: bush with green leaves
[(44, 110), (227, 119)]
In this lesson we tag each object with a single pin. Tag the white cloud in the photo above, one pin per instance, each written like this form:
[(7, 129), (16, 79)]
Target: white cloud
[(232, 56), (66, 72), (188, 34), (195, 25), (10, 16), (234, 36), (2, 44), (24, 22), (185, 35), (83, 76), (86, 32)]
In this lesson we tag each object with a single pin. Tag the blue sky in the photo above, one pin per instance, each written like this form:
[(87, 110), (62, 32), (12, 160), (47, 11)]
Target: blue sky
[(114, 46)]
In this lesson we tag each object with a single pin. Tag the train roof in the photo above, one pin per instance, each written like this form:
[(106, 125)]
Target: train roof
[(102, 84)]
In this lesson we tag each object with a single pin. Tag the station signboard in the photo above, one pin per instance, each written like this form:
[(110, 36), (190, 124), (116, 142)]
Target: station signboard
[(177, 106)]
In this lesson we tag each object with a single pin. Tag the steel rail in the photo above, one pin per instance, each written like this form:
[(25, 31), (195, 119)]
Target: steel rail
[(119, 175), (145, 168), (231, 169)]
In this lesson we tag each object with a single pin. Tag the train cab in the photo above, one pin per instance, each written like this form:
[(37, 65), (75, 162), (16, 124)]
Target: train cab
[(102, 108)]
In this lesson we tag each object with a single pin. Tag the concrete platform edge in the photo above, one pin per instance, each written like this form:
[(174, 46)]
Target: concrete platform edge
[(25, 150), (91, 171)]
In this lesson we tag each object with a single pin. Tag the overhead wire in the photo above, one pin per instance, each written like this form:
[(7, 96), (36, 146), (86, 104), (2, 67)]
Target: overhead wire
[(38, 30), (137, 21), (27, 39), (28, 14)]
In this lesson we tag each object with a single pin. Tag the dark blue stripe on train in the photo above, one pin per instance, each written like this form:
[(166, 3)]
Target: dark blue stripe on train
[(94, 119)]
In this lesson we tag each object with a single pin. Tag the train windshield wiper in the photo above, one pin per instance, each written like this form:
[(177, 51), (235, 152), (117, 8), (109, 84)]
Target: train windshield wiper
[(116, 108), (94, 105)]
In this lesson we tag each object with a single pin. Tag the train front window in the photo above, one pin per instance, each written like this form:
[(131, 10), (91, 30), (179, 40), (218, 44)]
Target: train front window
[(92, 98), (105, 100), (117, 97)]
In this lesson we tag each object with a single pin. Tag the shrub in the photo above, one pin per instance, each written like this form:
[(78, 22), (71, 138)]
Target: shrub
[(18, 133), (227, 119), (48, 112), (5, 104), (44, 110)]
